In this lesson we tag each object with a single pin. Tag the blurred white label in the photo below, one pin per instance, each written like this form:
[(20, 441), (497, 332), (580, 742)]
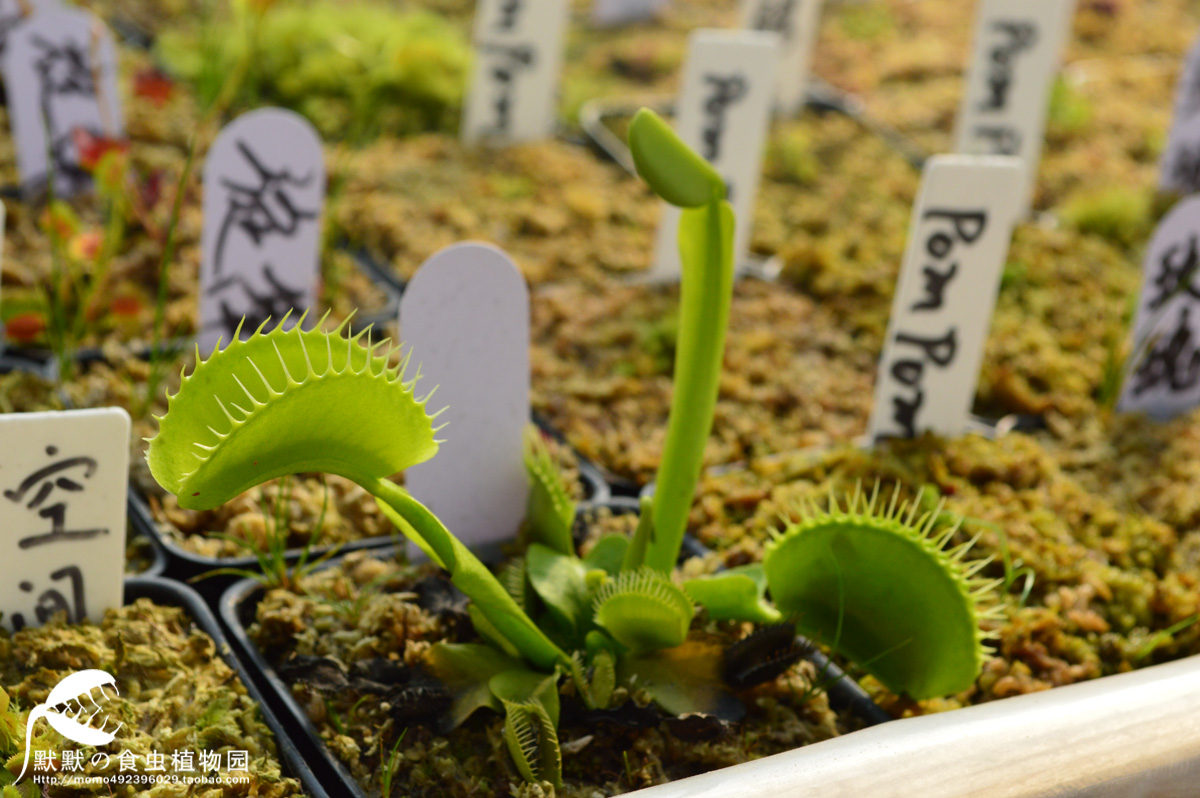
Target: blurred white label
[(796, 22), (60, 72), (1163, 370), (518, 52), (1018, 45), (723, 113), (264, 194)]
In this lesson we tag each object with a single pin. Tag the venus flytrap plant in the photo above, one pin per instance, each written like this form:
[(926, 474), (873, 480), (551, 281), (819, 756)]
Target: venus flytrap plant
[(877, 583)]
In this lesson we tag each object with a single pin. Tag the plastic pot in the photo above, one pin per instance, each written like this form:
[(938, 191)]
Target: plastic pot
[(238, 607), (173, 594)]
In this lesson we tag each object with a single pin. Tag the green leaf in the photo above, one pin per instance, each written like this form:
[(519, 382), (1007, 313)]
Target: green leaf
[(515, 581), (532, 741), (472, 577), (643, 610), (487, 630), (683, 679), (549, 511), (466, 669), (706, 294), (596, 641), (561, 582), (738, 594), (607, 554), (674, 171), (522, 685), (635, 554), (604, 678), (877, 587)]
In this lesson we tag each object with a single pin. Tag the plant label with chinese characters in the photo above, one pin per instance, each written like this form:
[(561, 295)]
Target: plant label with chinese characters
[(957, 243), (1162, 374), (465, 315), (264, 193), (609, 13), (1015, 59), (14, 12), (518, 50), (1180, 170), (723, 113), (63, 493), (796, 22), (60, 72)]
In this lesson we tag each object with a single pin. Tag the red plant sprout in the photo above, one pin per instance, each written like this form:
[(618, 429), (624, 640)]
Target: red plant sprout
[(93, 148), (25, 327), (153, 84), (126, 306)]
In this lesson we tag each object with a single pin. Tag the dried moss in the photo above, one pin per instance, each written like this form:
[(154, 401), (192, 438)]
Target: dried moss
[(176, 694)]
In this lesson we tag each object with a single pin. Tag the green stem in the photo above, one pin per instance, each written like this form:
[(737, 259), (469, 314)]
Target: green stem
[(469, 575), (706, 287)]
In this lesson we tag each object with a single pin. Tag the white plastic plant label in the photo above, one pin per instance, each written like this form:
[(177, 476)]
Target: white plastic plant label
[(63, 493), (465, 317), (264, 193), (1162, 373), (14, 12), (518, 50), (3, 228), (796, 22), (723, 112), (610, 13), (957, 244), (1014, 61), (60, 72), (1180, 170)]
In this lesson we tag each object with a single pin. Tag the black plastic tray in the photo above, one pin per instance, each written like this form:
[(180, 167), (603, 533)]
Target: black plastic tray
[(166, 592), (237, 611), (158, 563)]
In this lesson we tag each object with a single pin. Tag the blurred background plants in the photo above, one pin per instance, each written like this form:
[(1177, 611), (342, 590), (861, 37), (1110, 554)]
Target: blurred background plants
[(356, 70)]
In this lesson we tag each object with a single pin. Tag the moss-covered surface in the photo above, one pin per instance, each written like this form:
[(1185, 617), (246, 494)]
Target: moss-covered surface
[(554, 207), (176, 694), (603, 358)]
